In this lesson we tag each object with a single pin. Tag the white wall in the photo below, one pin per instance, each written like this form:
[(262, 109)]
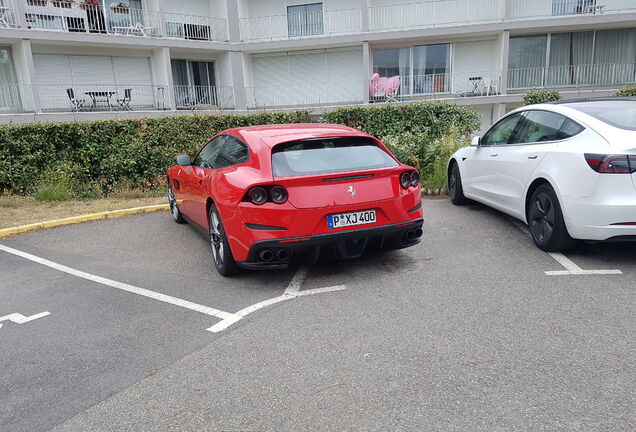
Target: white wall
[(188, 7)]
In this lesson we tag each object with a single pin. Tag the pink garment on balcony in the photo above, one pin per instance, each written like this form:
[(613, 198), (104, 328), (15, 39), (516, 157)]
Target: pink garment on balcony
[(382, 86)]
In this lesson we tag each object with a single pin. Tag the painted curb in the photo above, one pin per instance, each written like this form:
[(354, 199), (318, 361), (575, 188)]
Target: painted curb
[(83, 218)]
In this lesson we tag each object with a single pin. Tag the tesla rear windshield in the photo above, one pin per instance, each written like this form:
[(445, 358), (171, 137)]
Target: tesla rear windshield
[(620, 114), (328, 156)]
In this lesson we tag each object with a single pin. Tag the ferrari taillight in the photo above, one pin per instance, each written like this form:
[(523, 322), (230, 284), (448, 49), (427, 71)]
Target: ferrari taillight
[(261, 194), (611, 164)]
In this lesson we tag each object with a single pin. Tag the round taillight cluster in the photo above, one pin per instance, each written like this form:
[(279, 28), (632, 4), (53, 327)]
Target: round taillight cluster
[(409, 179), (259, 195)]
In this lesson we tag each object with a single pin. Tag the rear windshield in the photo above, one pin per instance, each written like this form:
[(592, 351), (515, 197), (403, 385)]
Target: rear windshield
[(620, 114), (328, 156)]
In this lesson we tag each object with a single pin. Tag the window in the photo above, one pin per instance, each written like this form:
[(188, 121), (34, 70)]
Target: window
[(620, 114), (569, 129), (207, 155), (422, 69), (9, 91), (231, 152), (305, 20), (194, 83), (503, 132), (327, 156), (540, 126), (526, 61)]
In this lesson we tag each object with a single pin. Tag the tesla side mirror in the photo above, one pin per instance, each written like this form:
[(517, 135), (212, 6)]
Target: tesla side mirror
[(475, 142), (184, 160)]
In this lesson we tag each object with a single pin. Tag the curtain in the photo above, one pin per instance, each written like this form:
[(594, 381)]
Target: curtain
[(394, 62), (570, 59), (526, 61), (9, 92), (305, 20), (615, 56)]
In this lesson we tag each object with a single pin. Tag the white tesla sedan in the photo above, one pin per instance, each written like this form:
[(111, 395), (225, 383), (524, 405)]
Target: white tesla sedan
[(567, 169)]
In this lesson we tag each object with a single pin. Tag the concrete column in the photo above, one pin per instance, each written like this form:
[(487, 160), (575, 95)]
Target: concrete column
[(498, 111), (20, 13), (233, 21), (503, 47), (238, 80), (26, 75), (367, 69), (157, 6), (365, 15), (162, 73)]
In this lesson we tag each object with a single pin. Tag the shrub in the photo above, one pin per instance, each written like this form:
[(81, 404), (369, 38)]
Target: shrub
[(538, 96), (93, 157), (432, 119), (626, 92)]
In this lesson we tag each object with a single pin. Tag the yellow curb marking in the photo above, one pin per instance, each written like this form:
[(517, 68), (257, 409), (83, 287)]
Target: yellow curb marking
[(79, 219)]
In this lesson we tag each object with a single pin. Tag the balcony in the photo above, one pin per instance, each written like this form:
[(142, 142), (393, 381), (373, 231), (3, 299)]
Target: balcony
[(305, 94), (8, 14), (195, 97), (88, 98), (422, 14), (195, 27), (68, 16), (298, 25), (572, 77)]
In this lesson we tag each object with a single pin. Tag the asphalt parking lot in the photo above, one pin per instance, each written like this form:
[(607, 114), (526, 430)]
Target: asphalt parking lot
[(125, 325)]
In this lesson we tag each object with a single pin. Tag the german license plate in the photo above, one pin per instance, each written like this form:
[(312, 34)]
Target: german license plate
[(351, 219)]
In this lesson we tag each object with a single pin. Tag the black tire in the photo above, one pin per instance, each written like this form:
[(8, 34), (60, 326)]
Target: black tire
[(174, 209), (546, 223), (221, 253), (455, 189)]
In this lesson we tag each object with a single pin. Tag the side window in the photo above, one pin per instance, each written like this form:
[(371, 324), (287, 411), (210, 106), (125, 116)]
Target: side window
[(231, 152), (569, 129), (540, 126), (207, 155), (503, 132)]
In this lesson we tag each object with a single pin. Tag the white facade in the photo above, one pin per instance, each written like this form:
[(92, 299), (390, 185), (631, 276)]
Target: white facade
[(63, 59)]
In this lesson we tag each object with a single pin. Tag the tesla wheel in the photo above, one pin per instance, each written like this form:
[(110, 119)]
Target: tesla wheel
[(223, 259), (545, 219), (174, 209), (455, 186)]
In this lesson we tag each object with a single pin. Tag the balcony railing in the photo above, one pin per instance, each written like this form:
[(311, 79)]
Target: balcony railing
[(195, 27), (8, 14), (318, 93), (78, 17), (87, 97), (580, 76), (15, 97), (204, 97), (296, 25), (553, 8)]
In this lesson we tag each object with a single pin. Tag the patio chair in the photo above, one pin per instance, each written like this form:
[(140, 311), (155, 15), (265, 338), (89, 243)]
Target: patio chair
[(125, 102), (76, 104), (383, 89)]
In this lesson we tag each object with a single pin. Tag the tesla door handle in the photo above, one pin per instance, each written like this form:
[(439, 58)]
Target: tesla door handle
[(494, 155), (533, 157)]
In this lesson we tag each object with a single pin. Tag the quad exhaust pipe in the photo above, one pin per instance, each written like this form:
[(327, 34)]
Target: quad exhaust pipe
[(414, 234), (282, 254), (267, 255)]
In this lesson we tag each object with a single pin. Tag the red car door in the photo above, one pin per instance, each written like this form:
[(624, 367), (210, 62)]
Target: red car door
[(196, 182)]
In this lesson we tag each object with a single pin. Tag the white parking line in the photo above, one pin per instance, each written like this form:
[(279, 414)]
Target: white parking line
[(21, 319), (292, 292), (570, 266), (122, 286)]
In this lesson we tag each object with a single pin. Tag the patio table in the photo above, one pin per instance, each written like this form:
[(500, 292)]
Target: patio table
[(100, 96)]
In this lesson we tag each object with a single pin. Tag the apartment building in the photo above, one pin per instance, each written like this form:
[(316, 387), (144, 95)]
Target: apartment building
[(85, 59)]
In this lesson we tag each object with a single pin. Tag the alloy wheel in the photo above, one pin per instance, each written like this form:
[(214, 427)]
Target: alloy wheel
[(216, 238), (173, 204), (542, 217), (452, 182)]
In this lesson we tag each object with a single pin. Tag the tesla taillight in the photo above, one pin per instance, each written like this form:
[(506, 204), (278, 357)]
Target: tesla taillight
[(611, 164), (278, 194), (258, 195)]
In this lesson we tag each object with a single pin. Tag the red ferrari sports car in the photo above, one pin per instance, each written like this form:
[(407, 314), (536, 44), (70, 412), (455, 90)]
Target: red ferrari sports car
[(270, 195)]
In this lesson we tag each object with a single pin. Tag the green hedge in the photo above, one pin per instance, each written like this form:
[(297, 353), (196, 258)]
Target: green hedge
[(100, 154), (626, 92), (432, 119), (541, 96)]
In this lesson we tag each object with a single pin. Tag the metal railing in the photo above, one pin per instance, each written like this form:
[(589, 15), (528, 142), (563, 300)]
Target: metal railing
[(550, 8), (88, 97), (594, 75), (15, 97), (297, 25), (204, 97), (68, 16), (318, 93), (8, 14), (183, 26)]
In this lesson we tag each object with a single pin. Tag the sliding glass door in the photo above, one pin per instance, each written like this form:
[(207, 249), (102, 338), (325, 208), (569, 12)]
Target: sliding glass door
[(10, 97), (195, 83)]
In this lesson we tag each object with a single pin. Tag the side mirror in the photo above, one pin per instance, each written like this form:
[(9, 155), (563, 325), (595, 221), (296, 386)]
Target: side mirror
[(475, 142), (184, 160)]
